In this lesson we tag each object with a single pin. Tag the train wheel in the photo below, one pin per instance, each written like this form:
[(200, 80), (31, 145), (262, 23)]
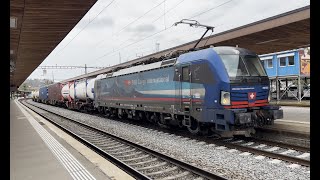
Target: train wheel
[(195, 127)]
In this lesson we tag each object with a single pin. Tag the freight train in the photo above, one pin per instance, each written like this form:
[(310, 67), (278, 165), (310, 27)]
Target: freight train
[(221, 90)]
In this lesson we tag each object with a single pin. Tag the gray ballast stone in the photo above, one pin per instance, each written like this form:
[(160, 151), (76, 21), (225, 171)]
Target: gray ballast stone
[(230, 165)]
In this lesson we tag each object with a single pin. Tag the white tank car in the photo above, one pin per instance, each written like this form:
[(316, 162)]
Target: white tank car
[(90, 86), (36, 94), (81, 90), (71, 90), (65, 91)]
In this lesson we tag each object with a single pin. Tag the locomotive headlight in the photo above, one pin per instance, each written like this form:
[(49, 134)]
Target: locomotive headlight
[(225, 98)]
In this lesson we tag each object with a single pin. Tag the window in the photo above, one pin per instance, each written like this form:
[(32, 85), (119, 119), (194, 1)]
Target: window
[(291, 60), (253, 65), (185, 74), (200, 73), (269, 64), (262, 62), (234, 65), (282, 61)]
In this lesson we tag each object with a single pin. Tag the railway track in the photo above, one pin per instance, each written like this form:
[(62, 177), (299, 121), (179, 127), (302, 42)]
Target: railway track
[(138, 161), (291, 154), (275, 150)]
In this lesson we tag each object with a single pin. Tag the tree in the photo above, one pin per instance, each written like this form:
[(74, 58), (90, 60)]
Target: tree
[(23, 87)]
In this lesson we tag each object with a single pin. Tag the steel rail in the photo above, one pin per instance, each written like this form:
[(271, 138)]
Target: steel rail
[(122, 165)]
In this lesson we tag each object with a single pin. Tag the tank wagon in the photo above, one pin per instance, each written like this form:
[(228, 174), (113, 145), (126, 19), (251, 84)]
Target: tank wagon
[(35, 95), (224, 90), (79, 94)]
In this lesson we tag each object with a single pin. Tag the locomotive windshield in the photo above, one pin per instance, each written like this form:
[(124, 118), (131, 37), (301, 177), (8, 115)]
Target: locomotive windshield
[(237, 65)]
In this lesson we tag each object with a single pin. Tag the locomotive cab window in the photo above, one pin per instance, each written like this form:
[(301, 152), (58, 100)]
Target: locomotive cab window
[(248, 65), (291, 60), (185, 74)]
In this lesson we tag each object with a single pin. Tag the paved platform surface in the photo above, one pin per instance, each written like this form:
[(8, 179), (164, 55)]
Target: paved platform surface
[(283, 102), (296, 120), (296, 114), (37, 152), (295, 127)]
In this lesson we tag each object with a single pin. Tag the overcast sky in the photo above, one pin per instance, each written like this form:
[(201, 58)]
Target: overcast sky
[(126, 29)]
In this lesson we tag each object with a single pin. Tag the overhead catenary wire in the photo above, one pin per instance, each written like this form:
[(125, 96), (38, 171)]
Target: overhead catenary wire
[(85, 27), (155, 20), (109, 53), (168, 11), (129, 24), (199, 14)]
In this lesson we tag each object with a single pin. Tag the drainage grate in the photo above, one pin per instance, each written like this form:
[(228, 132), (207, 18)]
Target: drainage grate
[(40, 122)]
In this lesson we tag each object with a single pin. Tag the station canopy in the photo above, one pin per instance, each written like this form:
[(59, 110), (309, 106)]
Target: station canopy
[(36, 28)]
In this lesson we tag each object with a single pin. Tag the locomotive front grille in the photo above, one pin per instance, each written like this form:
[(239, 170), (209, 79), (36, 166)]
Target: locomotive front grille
[(248, 99)]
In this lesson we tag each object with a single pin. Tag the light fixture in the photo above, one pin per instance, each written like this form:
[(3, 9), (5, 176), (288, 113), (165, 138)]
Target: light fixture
[(13, 22), (11, 51), (264, 42)]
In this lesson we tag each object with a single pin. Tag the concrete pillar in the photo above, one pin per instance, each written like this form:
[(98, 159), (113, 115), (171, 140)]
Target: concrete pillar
[(299, 89), (287, 93), (277, 88)]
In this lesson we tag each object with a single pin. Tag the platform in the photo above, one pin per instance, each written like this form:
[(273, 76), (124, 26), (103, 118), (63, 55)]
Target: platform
[(39, 150), (284, 102), (287, 128), (296, 120)]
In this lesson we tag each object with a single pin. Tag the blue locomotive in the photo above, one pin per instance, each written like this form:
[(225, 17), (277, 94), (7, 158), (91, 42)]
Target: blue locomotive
[(224, 90)]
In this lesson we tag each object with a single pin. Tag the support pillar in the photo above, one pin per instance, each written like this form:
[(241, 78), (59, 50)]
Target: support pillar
[(299, 89), (277, 88), (287, 93)]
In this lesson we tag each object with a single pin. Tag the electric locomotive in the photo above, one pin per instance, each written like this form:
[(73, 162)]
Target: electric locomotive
[(222, 90)]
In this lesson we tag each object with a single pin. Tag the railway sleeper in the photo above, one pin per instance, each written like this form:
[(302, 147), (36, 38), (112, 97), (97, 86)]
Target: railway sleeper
[(122, 152), (119, 149), (135, 159), (152, 167), (129, 155), (100, 140), (107, 146), (144, 162), (181, 175), (162, 172)]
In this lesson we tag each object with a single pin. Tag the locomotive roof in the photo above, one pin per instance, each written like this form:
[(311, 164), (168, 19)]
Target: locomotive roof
[(233, 50)]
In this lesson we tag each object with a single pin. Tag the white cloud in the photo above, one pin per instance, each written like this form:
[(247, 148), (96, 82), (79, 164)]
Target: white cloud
[(110, 32)]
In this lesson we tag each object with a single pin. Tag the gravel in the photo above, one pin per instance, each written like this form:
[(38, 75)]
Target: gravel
[(227, 164)]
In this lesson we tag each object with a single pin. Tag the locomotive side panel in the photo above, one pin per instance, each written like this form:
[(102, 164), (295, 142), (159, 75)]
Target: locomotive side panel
[(150, 90)]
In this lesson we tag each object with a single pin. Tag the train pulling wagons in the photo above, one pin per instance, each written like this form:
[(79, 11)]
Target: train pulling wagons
[(219, 90)]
